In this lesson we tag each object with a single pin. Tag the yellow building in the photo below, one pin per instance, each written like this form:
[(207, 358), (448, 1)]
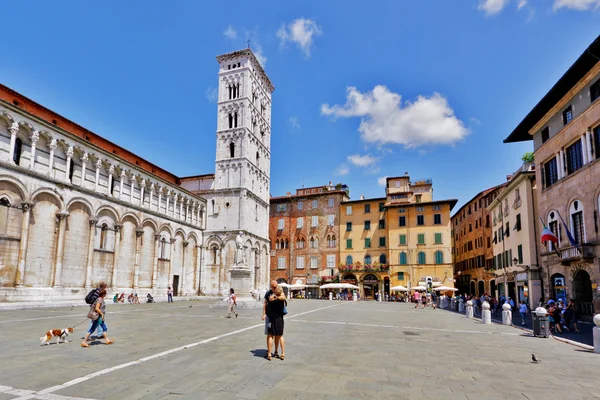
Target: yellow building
[(401, 239), (363, 248)]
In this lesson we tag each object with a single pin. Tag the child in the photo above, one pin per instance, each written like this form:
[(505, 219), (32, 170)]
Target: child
[(232, 303), (523, 311)]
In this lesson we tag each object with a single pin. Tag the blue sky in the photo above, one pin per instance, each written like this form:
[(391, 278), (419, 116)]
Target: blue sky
[(363, 90)]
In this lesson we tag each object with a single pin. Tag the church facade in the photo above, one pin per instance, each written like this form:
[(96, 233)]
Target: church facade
[(76, 209)]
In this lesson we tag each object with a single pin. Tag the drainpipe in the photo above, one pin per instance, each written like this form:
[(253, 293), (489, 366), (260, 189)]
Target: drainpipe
[(535, 235)]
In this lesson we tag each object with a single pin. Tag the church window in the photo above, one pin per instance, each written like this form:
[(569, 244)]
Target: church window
[(230, 92), (230, 120), (214, 254), (17, 153), (235, 120), (257, 159), (231, 149), (103, 236), (4, 209), (213, 206), (163, 248)]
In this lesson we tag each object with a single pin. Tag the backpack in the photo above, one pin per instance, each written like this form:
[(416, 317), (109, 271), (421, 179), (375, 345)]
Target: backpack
[(91, 296)]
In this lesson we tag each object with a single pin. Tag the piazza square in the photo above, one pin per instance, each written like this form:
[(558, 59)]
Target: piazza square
[(274, 203)]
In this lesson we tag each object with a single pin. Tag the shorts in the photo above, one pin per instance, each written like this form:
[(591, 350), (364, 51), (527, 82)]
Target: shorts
[(266, 325), (551, 320)]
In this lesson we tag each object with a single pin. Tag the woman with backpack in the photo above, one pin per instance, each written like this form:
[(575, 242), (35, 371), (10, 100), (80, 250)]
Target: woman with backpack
[(90, 299), (98, 316)]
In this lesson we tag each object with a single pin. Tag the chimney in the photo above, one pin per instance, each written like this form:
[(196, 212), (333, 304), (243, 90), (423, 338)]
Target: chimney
[(288, 194), (508, 177), (406, 174), (362, 197)]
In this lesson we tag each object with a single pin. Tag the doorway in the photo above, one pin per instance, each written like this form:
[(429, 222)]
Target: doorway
[(481, 288), (175, 284), (582, 292)]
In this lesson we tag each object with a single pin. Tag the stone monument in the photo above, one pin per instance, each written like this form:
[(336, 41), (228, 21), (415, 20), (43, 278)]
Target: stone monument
[(241, 280), (486, 314), (469, 311)]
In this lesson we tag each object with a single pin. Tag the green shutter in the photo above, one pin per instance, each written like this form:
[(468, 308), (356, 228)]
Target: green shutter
[(348, 243), (438, 238), (381, 242), (367, 243), (421, 238), (520, 252), (400, 276), (402, 239)]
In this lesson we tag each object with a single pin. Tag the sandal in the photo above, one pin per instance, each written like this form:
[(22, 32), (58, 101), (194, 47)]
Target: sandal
[(276, 355), (268, 357), (108, 341), (282, 357), (85, 345)]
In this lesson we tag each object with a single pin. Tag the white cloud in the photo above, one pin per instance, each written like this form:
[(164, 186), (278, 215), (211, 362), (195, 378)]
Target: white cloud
[(301, 31), (342, 170), (491, 7), (211, 95), (382, 181), (294, 123), (362, 161), (230, 32), (580, 5), (522, 3), (386, 120)]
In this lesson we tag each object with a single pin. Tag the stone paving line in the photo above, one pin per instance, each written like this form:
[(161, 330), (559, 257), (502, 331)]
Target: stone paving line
[(24, 394), (350, 353), (50, 390)]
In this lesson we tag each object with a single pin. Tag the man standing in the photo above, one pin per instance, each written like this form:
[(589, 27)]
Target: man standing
[(269, 297), (169, 295)]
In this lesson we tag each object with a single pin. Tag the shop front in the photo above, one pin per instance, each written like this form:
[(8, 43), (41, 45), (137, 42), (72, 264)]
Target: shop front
[(369, 286)]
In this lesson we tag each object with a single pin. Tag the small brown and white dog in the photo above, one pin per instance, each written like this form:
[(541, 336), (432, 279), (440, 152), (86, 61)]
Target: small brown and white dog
[(58, 334)]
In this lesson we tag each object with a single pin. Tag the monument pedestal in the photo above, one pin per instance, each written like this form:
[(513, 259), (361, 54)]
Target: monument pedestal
[(241, 283)]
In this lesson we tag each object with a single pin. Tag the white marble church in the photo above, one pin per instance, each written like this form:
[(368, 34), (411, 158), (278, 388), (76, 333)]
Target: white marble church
[(76, 209)]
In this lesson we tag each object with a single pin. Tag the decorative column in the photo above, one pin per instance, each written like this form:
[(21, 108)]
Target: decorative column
[(174, 204), (584, 149), (52, 147), (14, 129), (116, 253), (155, 266), (563, 167), (111, 171), (139, 233), (181, 283), (197, 269), (160, 190), (123, 176), (187, 210), (170, 272), (84, 159), (181, 208), (22, 260), (220, 287), (168, 196), (142, 186), (90, 255), (132, 181), (60, 248), (70, 151), (35, 136), (98, 166), (589, 141)]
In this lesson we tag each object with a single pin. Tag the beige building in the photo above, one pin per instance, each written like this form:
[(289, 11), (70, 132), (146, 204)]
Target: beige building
[(565, 129), (515, 232)]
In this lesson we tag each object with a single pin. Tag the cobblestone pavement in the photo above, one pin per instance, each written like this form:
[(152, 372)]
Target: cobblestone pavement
[(335, 350)]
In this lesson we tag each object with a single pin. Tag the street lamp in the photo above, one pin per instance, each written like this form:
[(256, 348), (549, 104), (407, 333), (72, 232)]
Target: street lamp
[(515, 261)]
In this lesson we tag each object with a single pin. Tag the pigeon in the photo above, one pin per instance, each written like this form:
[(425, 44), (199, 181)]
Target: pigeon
[(535, 359), (190, 306)]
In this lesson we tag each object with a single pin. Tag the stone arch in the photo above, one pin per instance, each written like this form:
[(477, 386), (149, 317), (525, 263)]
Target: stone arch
[(10, 183), (6, 117), (131, 216), (193, 236), (49, 193), (150, 222), (82, 203), (582, 287), (214, 240), (167, 228), (180, 232), (108, 210), (576, 213)]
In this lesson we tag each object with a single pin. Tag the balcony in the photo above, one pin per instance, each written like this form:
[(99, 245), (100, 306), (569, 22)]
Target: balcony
[(364, 268), (517, 203), (574, 253)]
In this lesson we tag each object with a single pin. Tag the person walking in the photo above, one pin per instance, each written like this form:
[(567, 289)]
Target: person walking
[(97, 310), (570, 316), (232, 303), (268, 299), (276, 313), (93, 298), (169, 295), (523, 311)]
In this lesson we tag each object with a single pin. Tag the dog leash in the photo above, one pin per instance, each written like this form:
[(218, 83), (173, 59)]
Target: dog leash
[(80, 323)]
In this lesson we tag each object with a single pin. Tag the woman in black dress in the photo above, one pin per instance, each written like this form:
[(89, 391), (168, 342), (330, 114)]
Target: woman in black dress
[(275, 314)]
